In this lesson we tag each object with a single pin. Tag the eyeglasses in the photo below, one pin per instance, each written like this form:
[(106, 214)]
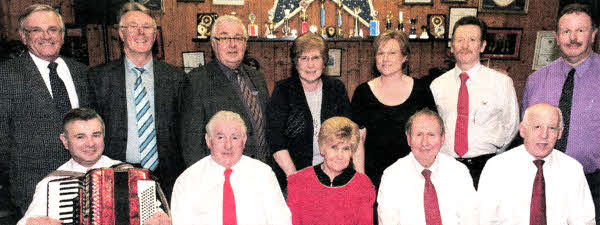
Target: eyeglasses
[(224, 40), (135, 27), (52, 31)]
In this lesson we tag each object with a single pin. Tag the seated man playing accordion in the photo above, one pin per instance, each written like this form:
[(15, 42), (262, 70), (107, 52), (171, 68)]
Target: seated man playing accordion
[(83, 137)]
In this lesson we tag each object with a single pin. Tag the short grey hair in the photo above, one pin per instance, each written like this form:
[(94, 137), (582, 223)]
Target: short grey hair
[(227, 18), (225, 116), (425, 112), (133, 7), (527, 115), (39, 8)]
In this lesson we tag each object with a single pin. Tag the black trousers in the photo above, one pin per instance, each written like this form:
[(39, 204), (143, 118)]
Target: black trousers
[(593, 180), (475, 166)]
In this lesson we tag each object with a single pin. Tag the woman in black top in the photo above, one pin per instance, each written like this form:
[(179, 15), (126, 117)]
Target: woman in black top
[(300, 104), (383, 104)]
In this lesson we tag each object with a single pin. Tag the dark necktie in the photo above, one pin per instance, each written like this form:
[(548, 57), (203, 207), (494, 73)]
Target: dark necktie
[(461, 132), (59, 91), (255, 111), (229, 217), (566, 100), (537, 210), (432, 209)]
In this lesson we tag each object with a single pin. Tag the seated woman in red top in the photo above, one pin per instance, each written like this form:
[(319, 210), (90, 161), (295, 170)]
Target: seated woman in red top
[(332, 192)]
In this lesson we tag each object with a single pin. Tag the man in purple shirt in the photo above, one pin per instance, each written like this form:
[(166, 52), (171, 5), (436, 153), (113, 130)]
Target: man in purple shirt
[(571, 83)]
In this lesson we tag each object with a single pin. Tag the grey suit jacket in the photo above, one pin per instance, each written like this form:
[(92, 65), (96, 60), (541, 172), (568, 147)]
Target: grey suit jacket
[(108, 97), (207, 92), (30, 124)]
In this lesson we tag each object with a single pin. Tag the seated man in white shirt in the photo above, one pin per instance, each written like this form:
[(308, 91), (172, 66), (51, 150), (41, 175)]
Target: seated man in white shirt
[(533, 183), (426, 187), (83, 137), (226, 187)]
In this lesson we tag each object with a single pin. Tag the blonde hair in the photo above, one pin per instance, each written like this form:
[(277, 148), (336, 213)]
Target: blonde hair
[(225, 116), (339, 129)]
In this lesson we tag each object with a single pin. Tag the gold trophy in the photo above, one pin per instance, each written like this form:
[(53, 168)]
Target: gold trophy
[(323, 32), (388, 21), (252, 28), (270, 31), (340, 34), (303, 17)]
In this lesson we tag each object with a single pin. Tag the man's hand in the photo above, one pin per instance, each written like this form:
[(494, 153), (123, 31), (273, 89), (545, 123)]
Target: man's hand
[(43, 221), (159, 218)]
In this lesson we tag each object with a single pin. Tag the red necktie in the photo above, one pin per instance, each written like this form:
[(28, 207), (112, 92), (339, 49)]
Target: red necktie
[(432, 209), (461, 133), (229, 217), (537, 211)]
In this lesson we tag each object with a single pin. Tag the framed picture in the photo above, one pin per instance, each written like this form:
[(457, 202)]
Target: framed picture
[(152, 5), (204, 22), (454, 1), (158, 50), (334, 64), (75, 43), (228, 2), (546, 50), (417, 2), (192, 60), (503, 43), (436, 25), (456, 13), (504, 6)]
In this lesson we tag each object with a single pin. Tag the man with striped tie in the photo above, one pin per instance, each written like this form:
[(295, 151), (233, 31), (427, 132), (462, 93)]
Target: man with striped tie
[(137, 97)]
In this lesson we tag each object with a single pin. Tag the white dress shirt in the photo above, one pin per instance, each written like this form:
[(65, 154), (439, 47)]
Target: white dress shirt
[(63, 73), (506, 184), (400, 195), (198, 194), (493, 109), (38, 206)]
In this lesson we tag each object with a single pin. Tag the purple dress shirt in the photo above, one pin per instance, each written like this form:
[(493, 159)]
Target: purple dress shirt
[(545, 85)]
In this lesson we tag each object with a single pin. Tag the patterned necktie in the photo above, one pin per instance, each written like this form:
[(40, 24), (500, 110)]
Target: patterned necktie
[(537, 210), (145, 123), (59, 91), (229, 216), (566, 99), (253, 106), (461, 133), (432, 209)]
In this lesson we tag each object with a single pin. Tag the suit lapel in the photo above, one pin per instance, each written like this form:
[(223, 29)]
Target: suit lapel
[(33, 78)]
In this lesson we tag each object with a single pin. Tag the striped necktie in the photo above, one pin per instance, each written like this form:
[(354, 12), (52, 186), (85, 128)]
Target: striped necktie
[(255, 111), (145, 123)]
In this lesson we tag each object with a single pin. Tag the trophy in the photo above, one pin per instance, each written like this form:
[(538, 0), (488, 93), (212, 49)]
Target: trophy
[(374, 25), (400, 22), (252, 28), (323, 19), (339, 30), (330, 32), (413, 31), (424, 34), (438, 26), (286, 26), (304, 25), (388, 21), (270, 31), (204, 24), (356, 23)]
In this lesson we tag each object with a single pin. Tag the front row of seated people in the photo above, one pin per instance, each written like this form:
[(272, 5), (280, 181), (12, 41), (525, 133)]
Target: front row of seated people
[(530, 184)]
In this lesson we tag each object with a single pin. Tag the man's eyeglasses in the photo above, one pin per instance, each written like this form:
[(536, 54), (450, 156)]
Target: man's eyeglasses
[(52, 31), (224, 40), (132, 28)]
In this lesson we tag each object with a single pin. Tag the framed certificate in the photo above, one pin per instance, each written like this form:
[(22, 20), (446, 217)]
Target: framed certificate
[(503, 43), (456, 13), (546, 50), (334, 64), (192, 60), (504, 6)]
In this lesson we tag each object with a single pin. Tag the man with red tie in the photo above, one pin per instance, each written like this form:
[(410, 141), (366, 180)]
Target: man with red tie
[(533, 183), (226, 187), (425, 187), (479, 105)]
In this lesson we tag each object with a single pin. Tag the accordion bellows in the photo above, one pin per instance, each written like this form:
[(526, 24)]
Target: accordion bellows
[(105, 196)]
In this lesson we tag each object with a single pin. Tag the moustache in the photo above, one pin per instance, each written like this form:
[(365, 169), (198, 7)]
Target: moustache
[(575, 43)]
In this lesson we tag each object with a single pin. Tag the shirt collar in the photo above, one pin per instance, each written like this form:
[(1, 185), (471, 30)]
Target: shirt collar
[(75, 166), (149, 66), (229, 73), (419, 168), (221, 169), (530, 158), (40, 63), (581, 69), (340, 180), (471, 72)]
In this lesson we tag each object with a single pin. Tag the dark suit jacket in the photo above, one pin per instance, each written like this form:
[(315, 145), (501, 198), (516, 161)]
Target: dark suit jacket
[(208, 92), (30, 124), (108, 97)]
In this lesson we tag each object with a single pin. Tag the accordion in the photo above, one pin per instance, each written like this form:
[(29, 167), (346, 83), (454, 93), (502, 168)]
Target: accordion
[(105, 196)]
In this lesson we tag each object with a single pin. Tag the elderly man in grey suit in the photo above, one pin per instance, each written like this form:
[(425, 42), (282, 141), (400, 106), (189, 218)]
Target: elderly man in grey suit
[(224, 84), (36, 89), (137, 97)]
